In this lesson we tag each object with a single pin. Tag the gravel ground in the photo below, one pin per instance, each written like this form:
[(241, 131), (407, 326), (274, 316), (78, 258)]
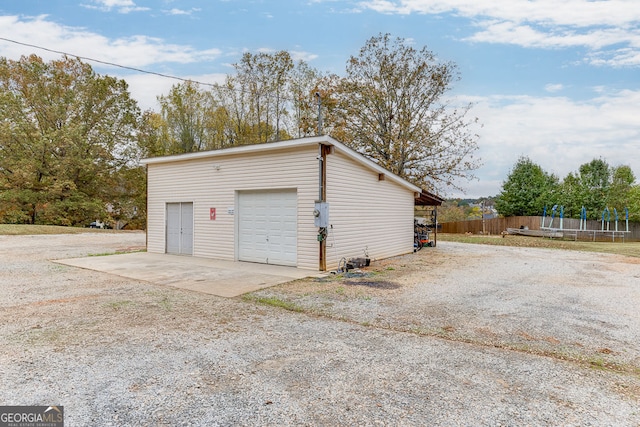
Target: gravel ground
[(453, 335)]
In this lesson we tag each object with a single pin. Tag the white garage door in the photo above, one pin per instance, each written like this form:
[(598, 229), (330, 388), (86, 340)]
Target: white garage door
[(180, 228), (267, 227)]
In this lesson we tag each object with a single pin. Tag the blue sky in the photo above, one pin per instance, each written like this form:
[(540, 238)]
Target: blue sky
[(555, 80)]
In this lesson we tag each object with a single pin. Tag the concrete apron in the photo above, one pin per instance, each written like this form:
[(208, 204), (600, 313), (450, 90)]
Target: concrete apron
[(210, 276)]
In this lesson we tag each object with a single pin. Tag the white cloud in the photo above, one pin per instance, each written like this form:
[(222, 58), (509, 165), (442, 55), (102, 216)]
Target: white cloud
[(178, 12), (578, 13), (135, 51), (146, 88), (115, 3), (122, 6), (556, 132), (554, 87), (616, 58), (297, 55), (598, 25)]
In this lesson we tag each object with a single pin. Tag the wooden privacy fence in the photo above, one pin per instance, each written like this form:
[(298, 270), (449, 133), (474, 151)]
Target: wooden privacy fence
[(498, 225)]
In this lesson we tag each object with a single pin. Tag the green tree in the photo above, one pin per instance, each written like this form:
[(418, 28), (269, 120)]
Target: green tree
[(303, 86), (595, 180), (391, 108), (633, 204), (234, 113), (571, 196), (65, 134), (151, 136), (451, 211), (475, 213), (256, 98), (188, 113), (527, 190), (128, 205), (622, 180), (589, 187)]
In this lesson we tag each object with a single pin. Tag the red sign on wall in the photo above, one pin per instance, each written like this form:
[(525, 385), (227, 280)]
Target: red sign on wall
[(212, 214)]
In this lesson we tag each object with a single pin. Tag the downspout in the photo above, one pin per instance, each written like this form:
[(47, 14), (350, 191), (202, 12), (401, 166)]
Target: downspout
[(321, 156), (322, 193), (322, 197), (320, 173), (146, 190)]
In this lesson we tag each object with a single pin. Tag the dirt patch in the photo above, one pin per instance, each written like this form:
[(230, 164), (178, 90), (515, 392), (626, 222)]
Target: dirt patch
[(563, 304), (375, 284)]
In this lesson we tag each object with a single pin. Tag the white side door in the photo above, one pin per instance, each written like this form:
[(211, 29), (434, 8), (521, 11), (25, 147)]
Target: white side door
[(179, 237)]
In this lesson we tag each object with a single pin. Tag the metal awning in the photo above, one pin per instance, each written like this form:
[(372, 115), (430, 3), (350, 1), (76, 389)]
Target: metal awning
[(428, 199)]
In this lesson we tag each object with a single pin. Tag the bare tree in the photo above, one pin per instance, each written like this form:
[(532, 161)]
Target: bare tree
[(391, 108), (261, 80)]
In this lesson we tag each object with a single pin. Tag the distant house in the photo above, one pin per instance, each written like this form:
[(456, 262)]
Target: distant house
[(306, 203)]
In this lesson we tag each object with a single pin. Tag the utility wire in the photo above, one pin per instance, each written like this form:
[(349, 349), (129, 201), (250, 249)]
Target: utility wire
[(168, 76), (107, 63)]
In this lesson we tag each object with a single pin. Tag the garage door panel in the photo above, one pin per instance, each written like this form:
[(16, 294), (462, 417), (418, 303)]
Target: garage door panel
[(268, 227)]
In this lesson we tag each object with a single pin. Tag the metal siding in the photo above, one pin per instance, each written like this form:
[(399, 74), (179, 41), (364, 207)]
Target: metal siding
[(213, 183), (366, 213)]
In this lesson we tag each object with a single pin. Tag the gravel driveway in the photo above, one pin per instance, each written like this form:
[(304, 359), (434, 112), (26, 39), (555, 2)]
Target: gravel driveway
[(453, 335)]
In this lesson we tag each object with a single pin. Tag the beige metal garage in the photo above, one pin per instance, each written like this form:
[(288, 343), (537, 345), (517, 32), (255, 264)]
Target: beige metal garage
[(306, 203)]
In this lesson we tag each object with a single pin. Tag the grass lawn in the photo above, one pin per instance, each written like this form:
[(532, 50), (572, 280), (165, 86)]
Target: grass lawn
[(626, 248), (23, 230)]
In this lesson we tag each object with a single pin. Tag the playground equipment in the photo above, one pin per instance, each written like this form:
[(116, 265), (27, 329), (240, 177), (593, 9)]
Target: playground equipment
[(605, 225)]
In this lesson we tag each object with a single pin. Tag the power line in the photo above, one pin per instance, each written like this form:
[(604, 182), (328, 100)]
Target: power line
[(108, 63), (168, 76)]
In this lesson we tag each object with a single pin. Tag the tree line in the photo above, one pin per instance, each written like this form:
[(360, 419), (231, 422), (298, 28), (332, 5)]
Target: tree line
[(71, 139), (596, 185)]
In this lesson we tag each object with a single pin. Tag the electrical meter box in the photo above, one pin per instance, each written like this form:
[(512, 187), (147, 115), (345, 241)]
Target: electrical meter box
[(321, 215)]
